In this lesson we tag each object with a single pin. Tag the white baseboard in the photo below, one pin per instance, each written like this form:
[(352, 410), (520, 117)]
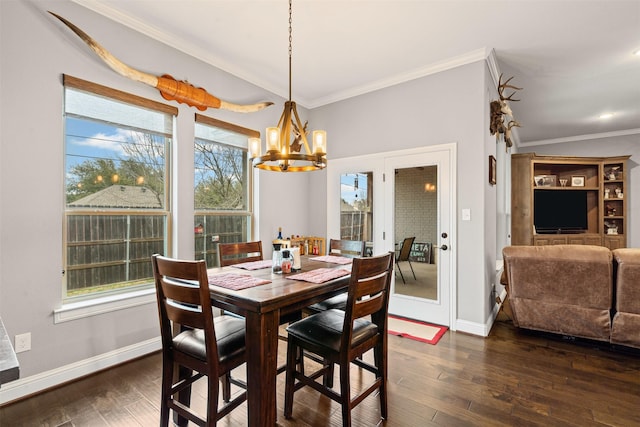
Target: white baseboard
[(24, 387), (481, 329), (473, 328)]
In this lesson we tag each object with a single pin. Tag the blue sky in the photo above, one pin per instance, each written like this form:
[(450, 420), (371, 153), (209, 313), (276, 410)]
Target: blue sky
[(87, 139), (348, 191)]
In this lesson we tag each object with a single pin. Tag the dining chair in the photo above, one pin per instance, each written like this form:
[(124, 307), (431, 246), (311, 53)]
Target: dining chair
[(203, 346), (345, 248), (236, 253), (341, 337), (403, 255)]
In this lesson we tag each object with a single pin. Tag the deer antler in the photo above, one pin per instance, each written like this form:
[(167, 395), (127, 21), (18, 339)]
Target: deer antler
[(507, 132), (505, 85)]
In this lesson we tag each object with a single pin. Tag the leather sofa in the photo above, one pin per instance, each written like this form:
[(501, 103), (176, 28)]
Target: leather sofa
[(575, 290)]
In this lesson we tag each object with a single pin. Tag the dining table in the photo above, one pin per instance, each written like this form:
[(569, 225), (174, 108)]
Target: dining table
[(263, 298), (9, 366)]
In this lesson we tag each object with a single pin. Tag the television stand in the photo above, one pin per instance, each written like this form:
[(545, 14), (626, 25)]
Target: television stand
[(567, 238)]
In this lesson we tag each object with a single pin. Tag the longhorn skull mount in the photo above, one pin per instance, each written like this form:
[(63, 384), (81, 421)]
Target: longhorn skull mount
[(171, 89)]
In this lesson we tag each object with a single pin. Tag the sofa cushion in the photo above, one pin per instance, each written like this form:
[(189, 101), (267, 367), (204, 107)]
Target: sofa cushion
[(565, 289)]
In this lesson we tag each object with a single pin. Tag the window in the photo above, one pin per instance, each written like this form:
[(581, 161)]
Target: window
[(356, 207), (116, 180), (222, 187)]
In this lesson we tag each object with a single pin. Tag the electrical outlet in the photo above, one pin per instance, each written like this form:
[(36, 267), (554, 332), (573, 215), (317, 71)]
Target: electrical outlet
[(23, 342)]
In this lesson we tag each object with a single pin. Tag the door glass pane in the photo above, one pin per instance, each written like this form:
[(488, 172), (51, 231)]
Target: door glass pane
[(356, 208), (416, 215)]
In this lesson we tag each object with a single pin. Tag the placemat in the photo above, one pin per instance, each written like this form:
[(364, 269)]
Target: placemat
[(254, 265), (320, 275), (235, 281), (333, 259)]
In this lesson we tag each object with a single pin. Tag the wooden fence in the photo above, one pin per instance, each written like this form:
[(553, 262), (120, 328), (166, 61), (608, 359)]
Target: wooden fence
[(110, 249), (356, 225), (116, 249)]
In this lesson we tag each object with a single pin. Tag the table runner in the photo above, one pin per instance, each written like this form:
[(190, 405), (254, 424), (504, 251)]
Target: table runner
[(333, 259), (254, 265), (320, 275), (236, 282)]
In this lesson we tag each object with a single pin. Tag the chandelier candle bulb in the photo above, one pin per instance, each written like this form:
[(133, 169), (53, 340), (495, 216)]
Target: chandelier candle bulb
[(273, 139), (255, 149), (319, 142)]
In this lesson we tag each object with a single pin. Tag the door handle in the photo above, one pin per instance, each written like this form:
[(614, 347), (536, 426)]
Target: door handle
[(444, 247)]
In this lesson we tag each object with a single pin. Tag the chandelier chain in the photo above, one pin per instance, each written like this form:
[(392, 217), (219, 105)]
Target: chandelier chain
[(286, 140), (290, 45)]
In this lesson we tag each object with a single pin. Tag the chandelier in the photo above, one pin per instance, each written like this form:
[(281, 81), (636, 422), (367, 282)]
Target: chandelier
[(284, 153)]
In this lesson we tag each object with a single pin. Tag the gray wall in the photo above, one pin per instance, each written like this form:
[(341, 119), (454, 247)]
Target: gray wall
[(447, 107), (36, 51), (604, 147)]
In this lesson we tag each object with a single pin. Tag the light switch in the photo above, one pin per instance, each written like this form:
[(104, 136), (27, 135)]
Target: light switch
[(466, 214)]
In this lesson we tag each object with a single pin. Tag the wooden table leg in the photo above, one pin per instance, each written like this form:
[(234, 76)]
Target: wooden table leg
[(262, 358)]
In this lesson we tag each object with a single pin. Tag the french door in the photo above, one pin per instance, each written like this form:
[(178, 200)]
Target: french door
[(418, 204), (409, 193)]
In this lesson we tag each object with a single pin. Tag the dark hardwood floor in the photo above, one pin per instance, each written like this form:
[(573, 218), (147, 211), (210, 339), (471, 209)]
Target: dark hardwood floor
[(511, 378)]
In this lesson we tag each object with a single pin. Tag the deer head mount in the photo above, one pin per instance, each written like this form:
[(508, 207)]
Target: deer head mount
[(499, 110)]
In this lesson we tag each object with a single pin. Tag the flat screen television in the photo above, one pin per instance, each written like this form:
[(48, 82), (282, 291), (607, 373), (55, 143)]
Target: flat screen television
[(558, 211)]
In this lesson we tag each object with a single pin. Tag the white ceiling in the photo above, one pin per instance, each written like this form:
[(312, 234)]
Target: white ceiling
[(572, 57)]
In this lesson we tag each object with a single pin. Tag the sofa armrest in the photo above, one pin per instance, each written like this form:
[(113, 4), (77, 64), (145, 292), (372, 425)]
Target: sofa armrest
[(627, 262)]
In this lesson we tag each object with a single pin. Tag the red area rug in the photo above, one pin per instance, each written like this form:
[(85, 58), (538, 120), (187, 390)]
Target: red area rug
[(416, 330)]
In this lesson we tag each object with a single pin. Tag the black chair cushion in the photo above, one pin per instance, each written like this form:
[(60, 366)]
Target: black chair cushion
[(230, 333), (338, 301), (324, 329)]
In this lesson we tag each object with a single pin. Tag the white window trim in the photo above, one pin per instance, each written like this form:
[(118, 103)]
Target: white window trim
[(106, 304)]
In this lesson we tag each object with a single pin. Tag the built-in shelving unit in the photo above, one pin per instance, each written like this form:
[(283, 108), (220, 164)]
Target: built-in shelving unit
[(598, 186)]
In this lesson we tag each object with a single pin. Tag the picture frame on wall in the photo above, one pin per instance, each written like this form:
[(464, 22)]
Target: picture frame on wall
[(577, 181), (492, 170)]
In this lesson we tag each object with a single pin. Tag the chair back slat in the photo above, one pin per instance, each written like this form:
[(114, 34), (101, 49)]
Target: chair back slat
[(236, 253), (405, 249), (181, 291), (346, 248), (184, 317)]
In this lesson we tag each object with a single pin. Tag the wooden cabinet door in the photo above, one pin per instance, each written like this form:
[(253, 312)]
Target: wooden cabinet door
[(552, 240), (615, 242)]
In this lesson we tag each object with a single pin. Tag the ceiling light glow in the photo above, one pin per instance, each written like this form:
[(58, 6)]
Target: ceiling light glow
[(606, 116)]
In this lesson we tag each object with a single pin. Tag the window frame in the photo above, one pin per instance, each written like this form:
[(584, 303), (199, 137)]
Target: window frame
[(137, 291), (249, 212)]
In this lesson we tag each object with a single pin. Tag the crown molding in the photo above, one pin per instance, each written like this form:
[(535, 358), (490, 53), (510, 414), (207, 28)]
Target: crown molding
[(176, 43), (222, 64), (581, 137), (467, 58)]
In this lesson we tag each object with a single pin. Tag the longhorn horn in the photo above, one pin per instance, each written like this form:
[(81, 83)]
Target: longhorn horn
[(170, 88)]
